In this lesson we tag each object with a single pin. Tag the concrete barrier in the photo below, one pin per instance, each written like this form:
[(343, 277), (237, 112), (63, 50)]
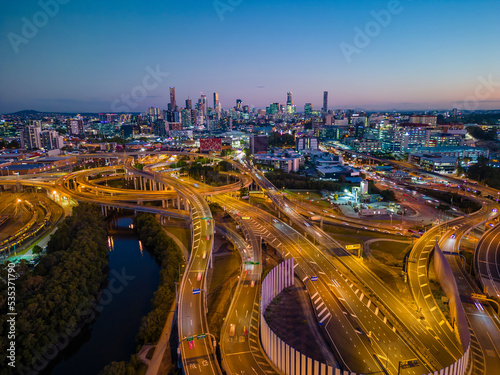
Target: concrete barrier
[(284, 357)]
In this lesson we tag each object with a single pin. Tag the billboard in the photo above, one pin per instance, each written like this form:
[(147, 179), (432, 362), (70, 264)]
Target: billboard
[(210, 144)]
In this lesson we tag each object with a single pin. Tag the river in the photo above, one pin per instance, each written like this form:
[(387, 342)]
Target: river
[(111, 335)]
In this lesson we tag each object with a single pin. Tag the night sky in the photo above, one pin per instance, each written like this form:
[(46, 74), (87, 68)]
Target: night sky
[(87, 55)]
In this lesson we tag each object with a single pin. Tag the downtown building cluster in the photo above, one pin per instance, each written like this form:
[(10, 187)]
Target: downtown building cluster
[(420, 138)]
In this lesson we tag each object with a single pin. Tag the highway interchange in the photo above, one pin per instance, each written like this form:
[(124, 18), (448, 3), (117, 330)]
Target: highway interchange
[(369, 329)]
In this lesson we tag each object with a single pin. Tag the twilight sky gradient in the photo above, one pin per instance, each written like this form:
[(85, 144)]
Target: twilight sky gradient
[(90, 53)]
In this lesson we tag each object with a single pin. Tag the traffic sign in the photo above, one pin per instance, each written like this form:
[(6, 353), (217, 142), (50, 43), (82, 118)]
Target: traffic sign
[(314, 278), (202, 336), (196, 290), (249, 262), (246, 218), (478, 296), (190, 338), (353, 247)]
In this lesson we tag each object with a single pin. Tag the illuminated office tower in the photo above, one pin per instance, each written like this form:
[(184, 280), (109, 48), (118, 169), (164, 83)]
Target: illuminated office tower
[(216, 100), (173, 101), (325, 102), (308, 108)]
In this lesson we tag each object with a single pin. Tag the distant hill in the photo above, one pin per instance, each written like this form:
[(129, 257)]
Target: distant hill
[(32, 113)]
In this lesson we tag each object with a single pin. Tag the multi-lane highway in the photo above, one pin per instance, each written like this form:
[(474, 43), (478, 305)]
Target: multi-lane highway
[(487, 261), (240, 347), (485, 335), (197, 347), (336, 303), (362, 338)]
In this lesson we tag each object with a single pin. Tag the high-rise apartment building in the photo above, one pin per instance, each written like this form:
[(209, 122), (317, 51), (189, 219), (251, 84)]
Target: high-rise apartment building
[(189, 104), (325, 102), (75, 126), (30, 137), (51, 140), (173, 100)]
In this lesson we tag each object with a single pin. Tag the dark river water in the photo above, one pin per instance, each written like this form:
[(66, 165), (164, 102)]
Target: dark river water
[(111, 335)]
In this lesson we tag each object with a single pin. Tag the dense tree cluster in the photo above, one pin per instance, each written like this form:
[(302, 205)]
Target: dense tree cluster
[(56, 298), (479, 133), (169, 257), (295, 181), (387, 194), (483, 173), (9, 145), (208, 174), (471, 118), (281, 140), (455, 199)]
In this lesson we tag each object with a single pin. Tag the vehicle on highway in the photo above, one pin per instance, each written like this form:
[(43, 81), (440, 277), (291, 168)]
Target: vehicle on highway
[(411, 231), (399, 233), (276, 221), (453, 236), (252, 283), (386, 231), (494, 210), (232, 329), (204, 255), (245, 331), (198, 277), (307, 224), (208, 238)]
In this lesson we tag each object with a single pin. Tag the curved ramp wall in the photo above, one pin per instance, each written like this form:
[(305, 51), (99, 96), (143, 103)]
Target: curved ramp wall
[(283, 356)]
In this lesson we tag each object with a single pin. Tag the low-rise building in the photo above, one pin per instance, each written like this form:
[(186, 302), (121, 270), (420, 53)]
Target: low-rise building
[(460, 152), (335, 172), (286, 164), (434, 162)]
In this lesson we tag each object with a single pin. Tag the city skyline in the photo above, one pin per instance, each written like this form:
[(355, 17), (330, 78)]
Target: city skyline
[(378, 55)]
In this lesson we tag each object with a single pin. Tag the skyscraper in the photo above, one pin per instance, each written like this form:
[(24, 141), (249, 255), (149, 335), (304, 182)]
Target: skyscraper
[(216, 100), (325, 102), (308, 108), (289, 99), (173, 101), (238, 105), (189, 104), (204, 104)]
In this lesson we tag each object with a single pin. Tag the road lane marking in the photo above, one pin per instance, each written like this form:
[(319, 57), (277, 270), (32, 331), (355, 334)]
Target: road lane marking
[(325, 317), (321, 313), (319, 306)]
